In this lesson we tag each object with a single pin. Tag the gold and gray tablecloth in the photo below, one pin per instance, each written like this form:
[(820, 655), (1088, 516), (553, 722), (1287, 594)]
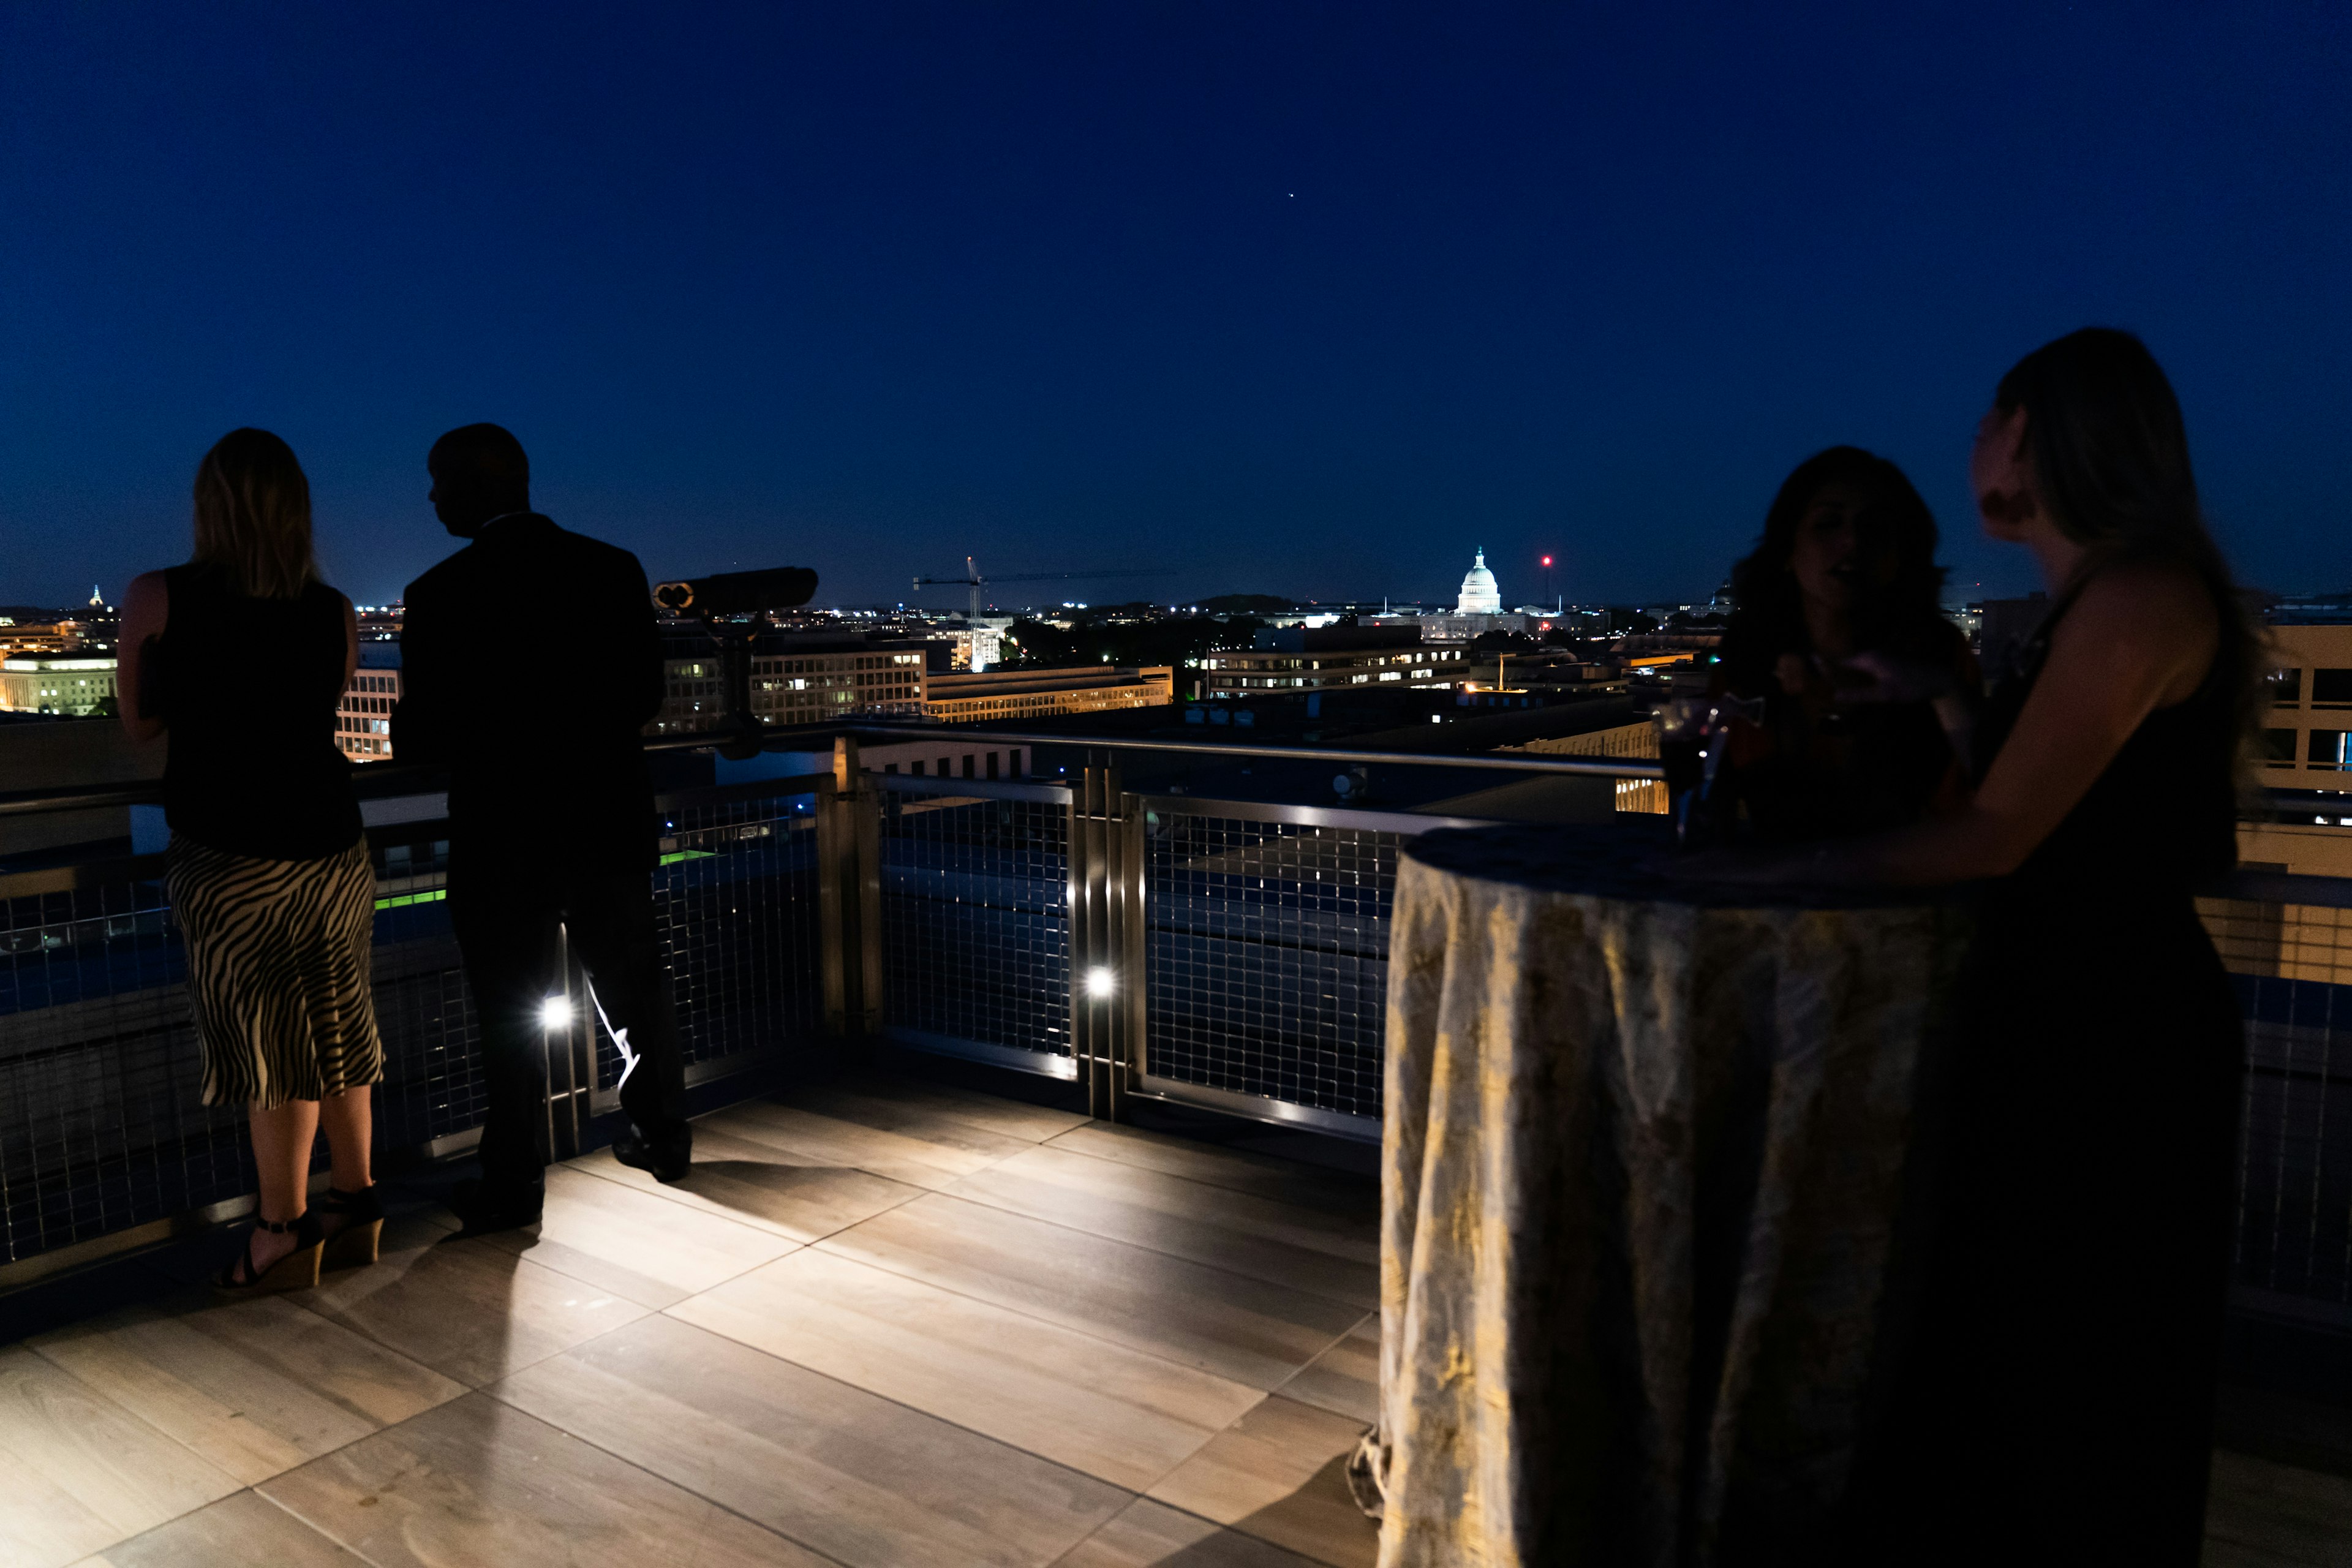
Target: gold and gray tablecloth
[(1645, 1158)]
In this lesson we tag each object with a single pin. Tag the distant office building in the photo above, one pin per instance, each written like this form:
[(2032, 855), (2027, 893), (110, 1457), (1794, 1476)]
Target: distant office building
[(809, 685), (797, 677), (363, 714), (74, 688), (1319, 659), (2307, 738), (1013, 696), (20, 638), (1480, 594), (1456, 628), (975, 645), (1646, 797)]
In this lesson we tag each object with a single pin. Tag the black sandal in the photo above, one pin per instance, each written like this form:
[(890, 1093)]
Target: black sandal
[(298, 1270), (352, 1244)]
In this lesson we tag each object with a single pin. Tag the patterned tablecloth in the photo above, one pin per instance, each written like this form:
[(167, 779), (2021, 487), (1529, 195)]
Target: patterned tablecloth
[(1643, 1160)]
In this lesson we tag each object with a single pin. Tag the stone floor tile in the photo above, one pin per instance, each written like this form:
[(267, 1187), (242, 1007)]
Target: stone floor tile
[(1344, 1379), (245, 1531), (1227, 1323), (760, 1184), (1152, 1535), (861, 1478), (256, 1386), (470, 1310), (1111, 1411), (1263, 1237), (1278, 1473), (636, 1244), (81, 1472), (478, 1482)]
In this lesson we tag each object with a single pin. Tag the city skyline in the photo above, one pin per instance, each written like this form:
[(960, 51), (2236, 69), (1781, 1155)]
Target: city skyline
[(1292, 300)]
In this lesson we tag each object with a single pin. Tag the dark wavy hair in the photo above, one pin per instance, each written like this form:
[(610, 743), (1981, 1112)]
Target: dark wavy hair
[(1903, 616), (2110, 456)]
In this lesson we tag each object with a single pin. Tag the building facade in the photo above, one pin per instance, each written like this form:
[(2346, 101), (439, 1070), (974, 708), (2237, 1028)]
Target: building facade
[(1301, 659), (77, 688), (797, 677), (2306, 738), (363, 714), (1013, 696), (1480, 594)]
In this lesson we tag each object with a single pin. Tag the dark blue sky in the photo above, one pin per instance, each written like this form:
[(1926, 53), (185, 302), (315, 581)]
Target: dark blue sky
[(1293, 298)]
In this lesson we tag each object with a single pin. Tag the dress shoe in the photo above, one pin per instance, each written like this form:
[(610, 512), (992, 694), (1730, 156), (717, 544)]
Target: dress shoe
[(666, 1159), (483, 1208)]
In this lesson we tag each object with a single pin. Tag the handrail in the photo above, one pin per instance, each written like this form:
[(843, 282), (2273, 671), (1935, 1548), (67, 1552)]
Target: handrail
[(1603, 767), (376, 780)]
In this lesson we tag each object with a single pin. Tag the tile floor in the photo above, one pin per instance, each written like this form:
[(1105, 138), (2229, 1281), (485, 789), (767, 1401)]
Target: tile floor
[(895, 1324), (890, 1324)]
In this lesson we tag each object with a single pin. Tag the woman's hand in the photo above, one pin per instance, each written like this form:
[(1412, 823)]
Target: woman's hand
[(1872, 677)]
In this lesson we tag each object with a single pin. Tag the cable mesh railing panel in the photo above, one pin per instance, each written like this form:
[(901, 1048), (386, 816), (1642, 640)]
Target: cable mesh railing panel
[(976, 918), (1267, 957), (736, 905), (2293, 965)]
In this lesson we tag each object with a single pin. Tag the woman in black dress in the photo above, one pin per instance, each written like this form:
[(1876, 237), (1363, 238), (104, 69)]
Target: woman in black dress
[(1864, 693), (240, 657), (2057, 1401)]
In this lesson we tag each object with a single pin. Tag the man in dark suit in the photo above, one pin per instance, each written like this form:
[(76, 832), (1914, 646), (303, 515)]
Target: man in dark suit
[(530, 667)]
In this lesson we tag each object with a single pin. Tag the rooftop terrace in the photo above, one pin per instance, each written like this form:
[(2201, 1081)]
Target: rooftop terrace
[(889, 1319)]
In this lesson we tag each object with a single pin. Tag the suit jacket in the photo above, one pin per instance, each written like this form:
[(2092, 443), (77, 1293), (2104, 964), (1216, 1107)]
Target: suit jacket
[(530, 665)]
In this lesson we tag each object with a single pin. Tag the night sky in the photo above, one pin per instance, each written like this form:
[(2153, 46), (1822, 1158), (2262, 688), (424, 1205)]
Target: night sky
[(1296, 300)]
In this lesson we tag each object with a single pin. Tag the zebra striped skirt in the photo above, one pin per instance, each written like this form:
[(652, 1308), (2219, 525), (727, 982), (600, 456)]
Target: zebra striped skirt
[(279, 955)]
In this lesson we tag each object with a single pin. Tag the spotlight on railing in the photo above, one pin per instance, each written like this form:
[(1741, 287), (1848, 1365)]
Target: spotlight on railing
[(1099, 983), (555, 1011)]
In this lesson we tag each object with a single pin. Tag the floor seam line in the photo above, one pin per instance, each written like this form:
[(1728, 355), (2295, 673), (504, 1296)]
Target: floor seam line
[(949, 1421), (1145, 1247), (655, 1475), (1051, 1323)]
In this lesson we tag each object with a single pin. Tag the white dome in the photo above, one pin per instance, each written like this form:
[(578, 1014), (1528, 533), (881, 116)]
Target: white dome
[(1479, 595)]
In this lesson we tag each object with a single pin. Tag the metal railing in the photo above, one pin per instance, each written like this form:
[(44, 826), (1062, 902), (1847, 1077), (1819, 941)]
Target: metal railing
[(1229, 954)]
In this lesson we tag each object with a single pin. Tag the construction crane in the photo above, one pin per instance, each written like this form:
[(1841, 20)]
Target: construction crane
[(972, 579)]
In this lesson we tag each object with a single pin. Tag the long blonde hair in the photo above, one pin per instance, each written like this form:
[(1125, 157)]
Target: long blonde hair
[(253, 515)]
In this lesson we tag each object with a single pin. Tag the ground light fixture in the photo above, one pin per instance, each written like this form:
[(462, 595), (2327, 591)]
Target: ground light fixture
[(1099, 981)]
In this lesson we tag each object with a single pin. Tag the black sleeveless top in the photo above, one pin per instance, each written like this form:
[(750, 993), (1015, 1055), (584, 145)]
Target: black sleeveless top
[(2162, 818), (247, 689)]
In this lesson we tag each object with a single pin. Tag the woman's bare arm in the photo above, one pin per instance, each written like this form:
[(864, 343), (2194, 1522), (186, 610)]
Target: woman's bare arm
[(2138, 639), (146, 607)]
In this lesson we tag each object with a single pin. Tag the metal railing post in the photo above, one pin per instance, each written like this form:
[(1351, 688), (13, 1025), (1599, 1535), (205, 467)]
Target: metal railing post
[(849, 878), (834, 847), (1106, 980), (570, 1078)]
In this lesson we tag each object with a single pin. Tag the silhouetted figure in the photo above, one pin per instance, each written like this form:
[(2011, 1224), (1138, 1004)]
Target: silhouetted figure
[(269, 870), (530, 665), (1867, 691), (2059, 1403)]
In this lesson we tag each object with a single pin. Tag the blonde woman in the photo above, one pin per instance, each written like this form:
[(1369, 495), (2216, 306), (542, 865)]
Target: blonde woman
[(240, 657)]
